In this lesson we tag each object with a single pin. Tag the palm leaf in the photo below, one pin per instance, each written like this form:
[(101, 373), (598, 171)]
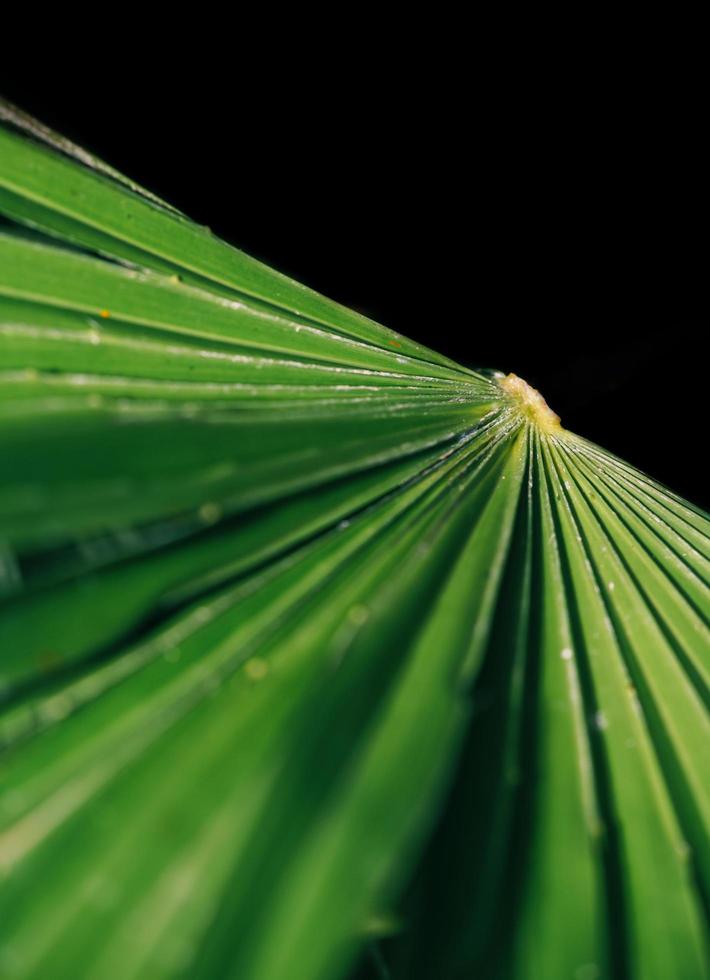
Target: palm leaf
[(312, 638)]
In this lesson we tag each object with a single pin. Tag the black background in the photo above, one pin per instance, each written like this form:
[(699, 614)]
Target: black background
[(527, 224)]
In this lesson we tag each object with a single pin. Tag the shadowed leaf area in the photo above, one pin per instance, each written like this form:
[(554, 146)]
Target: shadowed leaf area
[(321, 655)]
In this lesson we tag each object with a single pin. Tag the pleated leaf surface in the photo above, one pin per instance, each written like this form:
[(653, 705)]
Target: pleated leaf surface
[(321, 655)]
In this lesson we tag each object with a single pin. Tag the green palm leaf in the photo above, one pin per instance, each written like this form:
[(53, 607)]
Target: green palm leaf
[(312, 639)]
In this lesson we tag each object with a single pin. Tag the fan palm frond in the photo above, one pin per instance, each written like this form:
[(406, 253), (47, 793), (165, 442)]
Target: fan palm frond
[(309, 634)]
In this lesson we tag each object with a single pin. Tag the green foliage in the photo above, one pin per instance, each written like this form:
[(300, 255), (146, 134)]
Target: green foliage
[(318, 652)]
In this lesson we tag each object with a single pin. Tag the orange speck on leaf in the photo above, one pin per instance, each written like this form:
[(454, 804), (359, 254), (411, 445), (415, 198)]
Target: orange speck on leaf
[(393, 343), (105, 314), (49, 660)]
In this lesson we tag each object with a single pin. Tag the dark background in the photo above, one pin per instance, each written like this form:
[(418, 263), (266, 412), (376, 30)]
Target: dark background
[(534, 225)]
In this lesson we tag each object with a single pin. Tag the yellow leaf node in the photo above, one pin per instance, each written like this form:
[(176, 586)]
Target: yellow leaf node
[(531, 403)]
